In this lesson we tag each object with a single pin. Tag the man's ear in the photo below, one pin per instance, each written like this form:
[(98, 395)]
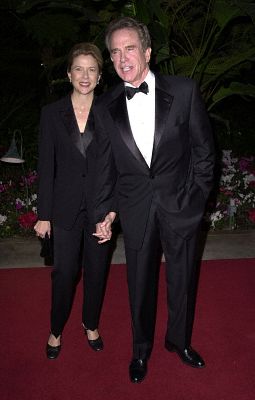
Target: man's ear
[(148, 54)]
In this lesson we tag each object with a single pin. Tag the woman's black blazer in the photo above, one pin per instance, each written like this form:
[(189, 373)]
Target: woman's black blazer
[(66, 171)]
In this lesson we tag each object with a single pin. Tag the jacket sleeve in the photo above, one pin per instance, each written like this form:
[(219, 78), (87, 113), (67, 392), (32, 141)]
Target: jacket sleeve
[(106, 173), (202, 143)]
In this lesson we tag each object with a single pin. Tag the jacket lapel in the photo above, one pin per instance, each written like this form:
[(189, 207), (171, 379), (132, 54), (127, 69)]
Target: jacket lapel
[(118, 111), (88, 135), (163, 102), (68, 118)]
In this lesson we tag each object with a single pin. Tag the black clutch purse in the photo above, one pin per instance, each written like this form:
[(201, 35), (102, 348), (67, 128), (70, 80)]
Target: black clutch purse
[(47, 250)]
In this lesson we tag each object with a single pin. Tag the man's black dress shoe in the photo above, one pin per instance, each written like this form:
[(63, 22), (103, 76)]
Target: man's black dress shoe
[(96, 344), (137, 370), (188, 355), (52, 352)]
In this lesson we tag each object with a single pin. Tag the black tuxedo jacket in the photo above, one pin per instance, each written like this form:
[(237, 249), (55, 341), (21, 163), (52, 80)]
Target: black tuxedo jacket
[(181, 173), (66, 170)]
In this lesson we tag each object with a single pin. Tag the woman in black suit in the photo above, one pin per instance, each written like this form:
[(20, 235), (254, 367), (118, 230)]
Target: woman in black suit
[(67, 165)]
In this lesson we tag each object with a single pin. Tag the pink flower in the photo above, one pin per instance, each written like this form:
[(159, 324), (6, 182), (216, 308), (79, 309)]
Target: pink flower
[(18, 204), (29, 179), (226, 191), (245, 163), (251, 214), (27, 220)]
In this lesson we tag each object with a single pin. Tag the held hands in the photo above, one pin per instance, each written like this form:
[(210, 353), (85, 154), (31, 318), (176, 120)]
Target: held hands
[(104, 228), (42, 227)]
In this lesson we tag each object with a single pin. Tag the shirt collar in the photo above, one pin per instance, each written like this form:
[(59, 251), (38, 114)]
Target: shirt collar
[(149, 79)]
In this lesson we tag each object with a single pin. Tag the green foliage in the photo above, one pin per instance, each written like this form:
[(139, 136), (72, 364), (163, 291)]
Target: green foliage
[(212, 42), (45, 28)]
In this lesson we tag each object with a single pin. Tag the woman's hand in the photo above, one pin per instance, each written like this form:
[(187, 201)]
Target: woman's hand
[(104, 228), (42, 227)]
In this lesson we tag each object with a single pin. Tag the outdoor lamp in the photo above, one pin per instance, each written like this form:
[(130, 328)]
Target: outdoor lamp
[(12, 155)]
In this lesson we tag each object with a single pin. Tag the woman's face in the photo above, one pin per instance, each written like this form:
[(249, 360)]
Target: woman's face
[(84, 74)]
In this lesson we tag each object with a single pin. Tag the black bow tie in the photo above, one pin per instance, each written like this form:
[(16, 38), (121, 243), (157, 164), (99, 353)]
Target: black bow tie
[(131, 91)]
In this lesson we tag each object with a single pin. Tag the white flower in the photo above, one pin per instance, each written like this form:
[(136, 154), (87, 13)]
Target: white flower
[(249, 178), (227, 178), (215, 217), (18, 200), (3, 218), (226, 158)]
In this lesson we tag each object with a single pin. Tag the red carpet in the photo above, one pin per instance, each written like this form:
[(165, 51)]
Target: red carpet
[(224, 333)]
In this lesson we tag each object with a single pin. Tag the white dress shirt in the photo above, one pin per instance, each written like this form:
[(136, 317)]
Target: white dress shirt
[(141, 113)]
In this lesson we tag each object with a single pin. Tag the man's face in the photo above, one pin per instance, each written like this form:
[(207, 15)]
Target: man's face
[(128, 57)]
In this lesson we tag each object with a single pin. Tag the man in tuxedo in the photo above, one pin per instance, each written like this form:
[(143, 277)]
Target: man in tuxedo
[(156, 131)]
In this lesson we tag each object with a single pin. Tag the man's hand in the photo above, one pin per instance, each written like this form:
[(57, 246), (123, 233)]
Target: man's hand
[(104, 228)]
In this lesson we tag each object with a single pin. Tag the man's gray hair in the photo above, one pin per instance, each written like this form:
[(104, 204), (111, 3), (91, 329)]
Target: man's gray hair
[(128, 23)]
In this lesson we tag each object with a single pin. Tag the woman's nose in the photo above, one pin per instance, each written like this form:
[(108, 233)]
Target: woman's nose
[(85, 73)]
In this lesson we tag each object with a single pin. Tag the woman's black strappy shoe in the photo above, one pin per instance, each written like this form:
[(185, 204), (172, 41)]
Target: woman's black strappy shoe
[(95, 344), (52, 352)]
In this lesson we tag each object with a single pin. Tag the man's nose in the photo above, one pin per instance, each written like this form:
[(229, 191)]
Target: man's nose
[(123, 56)]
